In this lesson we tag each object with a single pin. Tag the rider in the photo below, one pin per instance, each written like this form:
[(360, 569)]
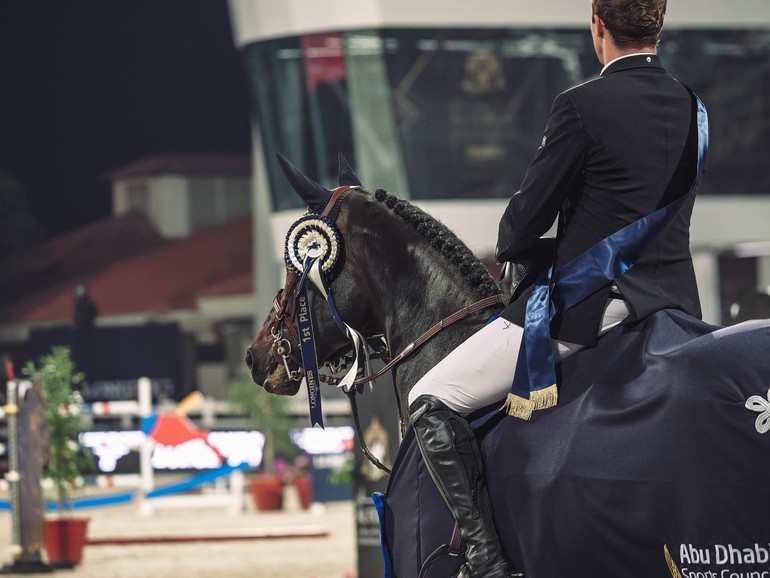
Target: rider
[(615, 149)]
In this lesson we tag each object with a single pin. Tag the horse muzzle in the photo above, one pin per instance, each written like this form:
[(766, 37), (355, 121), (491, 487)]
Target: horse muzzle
[(267, 372), (279, 383)]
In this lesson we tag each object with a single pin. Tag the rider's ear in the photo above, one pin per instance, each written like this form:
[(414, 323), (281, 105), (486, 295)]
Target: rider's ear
[(311, 192), (345, 174)]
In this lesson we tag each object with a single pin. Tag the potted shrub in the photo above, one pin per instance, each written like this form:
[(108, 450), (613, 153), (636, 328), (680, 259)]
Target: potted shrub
[(65, 534), (267, 413), (302, 479)]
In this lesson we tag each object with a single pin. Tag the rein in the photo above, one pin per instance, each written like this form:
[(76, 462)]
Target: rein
[(432, 332)]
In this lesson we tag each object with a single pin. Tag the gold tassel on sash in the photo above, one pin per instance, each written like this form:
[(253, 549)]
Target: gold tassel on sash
[(546, 397), (517, 406)]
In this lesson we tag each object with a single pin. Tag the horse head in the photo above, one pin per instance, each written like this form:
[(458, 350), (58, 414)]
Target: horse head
[(274, 359), (399, 271)]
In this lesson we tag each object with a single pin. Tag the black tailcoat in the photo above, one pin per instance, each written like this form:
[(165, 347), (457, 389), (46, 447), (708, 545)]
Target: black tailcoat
[(610, 148)]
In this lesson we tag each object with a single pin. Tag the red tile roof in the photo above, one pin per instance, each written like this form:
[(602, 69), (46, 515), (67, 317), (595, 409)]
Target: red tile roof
[(184, 165), (163, 278), (242, 284), (94, 246)]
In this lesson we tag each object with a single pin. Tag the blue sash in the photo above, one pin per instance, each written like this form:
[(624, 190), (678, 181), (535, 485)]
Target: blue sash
[(534, 382)]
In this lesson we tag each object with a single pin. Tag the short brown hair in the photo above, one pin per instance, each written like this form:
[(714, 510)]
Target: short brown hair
[(633, 23)]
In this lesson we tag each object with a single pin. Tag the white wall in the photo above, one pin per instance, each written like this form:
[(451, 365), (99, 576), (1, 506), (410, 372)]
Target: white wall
[(721, 221), (169, 205), (255, 20)]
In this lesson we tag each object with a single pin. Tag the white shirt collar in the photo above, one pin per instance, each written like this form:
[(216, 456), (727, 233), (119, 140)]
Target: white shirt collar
[(606, 66)]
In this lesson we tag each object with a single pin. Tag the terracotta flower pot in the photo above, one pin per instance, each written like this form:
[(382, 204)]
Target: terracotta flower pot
[(65, 539), (304, 485), (267, 491)]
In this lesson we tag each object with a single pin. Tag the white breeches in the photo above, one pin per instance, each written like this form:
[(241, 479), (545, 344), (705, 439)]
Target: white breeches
[(479, 371)]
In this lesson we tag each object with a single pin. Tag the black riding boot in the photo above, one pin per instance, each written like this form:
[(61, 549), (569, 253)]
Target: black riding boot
[(453, 458)]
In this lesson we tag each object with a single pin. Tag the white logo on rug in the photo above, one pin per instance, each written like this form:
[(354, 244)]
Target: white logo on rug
[(762, 405)]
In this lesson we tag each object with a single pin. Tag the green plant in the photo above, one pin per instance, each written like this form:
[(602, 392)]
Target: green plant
[(344, 473), (67, 459), (267, 413)]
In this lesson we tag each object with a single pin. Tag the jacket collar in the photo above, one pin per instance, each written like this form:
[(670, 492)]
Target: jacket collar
[(633, 61)]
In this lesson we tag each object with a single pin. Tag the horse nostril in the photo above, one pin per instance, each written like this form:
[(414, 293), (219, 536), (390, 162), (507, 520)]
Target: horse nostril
[(249, 358)]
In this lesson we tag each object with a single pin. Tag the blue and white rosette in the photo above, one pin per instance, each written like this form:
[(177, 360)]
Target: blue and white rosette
[(316, 237)]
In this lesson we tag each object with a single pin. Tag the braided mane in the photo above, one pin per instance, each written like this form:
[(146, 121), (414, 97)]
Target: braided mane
[(444, 241)]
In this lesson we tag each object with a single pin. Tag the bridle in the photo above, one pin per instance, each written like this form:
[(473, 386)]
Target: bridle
[(284, 319), (285, 301), (284, 307)]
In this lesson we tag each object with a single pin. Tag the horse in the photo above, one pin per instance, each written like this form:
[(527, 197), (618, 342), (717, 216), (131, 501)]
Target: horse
[(654, 463)]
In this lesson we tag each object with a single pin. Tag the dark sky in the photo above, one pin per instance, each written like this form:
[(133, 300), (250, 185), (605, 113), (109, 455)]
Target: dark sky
[(87, 86)]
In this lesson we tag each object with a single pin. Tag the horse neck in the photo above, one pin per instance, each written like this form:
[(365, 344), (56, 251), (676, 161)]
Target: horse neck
[(411, 286)]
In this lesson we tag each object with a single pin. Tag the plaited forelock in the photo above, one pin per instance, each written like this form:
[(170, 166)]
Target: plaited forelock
[(444, 241)]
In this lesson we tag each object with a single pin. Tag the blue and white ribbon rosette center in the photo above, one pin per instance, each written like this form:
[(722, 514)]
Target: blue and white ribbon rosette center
[(313, 237)]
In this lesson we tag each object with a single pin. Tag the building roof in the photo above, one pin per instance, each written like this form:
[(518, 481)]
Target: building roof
[(94, 246), (188, 164), (236, 285), (167, 276), (77, 254)]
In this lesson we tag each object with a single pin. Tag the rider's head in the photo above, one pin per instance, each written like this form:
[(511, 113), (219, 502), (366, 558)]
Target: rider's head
[(632, 24)]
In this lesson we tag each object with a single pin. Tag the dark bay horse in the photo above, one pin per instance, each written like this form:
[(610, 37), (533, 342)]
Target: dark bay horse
[(654, 463)]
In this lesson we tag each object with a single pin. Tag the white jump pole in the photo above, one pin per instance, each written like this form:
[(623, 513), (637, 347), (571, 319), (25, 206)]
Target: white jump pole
[(11, 410), (147, 482)]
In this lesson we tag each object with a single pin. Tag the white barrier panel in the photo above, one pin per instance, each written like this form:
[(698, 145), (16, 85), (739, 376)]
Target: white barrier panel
[(239, 447)]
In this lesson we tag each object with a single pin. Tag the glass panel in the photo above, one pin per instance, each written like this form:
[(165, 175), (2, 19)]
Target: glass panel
[(301, 95), (730, 70), (471, 105), (325, 85), (203, 203), (442, 114), (136, 197), (237, 198), (379, 159), (275, 72)]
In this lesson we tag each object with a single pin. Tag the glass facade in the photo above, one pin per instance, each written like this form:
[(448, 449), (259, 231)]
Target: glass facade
[(445, 114), (730, 70)]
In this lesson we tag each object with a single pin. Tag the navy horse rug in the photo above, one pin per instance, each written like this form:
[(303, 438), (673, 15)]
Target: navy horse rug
[(655, 463)]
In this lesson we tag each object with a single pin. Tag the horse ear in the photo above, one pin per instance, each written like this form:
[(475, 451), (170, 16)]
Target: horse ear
[(311, 192), (345, 174)]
